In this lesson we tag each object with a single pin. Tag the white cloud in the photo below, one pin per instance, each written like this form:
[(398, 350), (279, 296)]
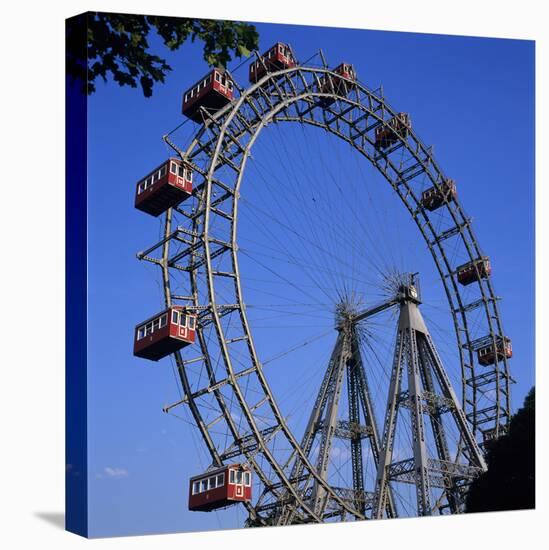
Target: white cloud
[(115, 472)]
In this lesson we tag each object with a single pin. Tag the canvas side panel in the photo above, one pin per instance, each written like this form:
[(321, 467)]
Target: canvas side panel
[(76, 466)]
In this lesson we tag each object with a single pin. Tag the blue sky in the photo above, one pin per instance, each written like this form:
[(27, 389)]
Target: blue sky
[(470, 97)]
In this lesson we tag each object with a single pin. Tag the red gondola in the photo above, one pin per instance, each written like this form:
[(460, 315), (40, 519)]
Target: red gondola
[(489, 354), (335, 85), (474, 271), (277, 58), (213, 92), (434, 197), (219, 488), (164, 333), (166, 186), (386, 134), (490, 434)]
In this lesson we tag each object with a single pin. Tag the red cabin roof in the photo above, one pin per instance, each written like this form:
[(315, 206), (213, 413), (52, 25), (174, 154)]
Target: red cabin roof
[(490, 433), (278, 57), (490, 354), (334, 85), (166, 186), (212, 93), (474, 271), (164, 333), (387, 133), (434, 197), (220, 487), (346, 70)]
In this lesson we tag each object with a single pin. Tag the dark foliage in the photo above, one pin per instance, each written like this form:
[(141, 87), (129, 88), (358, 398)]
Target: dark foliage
[(117, 46), (509, 482)]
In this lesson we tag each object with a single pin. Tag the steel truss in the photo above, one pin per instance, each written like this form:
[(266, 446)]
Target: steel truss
[(325, 425), (218, 155), (429, 397)]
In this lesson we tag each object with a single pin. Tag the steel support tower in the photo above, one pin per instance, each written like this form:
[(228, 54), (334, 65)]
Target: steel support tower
[(420, 386), (326, 423), (422, 407)]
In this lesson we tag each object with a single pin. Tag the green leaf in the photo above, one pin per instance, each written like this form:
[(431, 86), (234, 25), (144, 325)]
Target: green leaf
[(117, 46), (243, 51)]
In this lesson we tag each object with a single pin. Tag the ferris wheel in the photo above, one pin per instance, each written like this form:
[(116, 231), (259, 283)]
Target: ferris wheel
[(387, 411)]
